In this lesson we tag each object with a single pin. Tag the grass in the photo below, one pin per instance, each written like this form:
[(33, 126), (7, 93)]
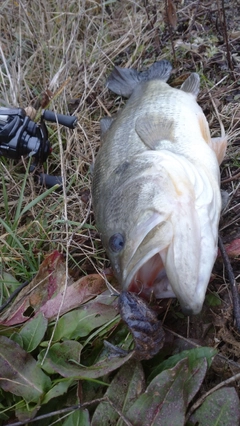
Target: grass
[(57, 55)]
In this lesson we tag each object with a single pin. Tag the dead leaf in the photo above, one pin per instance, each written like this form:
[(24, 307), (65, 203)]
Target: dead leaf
[(44, 293), (20, 373), (233, 249), (171, 15), (77, 293), (47, 283)]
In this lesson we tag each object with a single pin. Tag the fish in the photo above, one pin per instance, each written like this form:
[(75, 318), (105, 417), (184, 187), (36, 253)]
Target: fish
[(156, 187)]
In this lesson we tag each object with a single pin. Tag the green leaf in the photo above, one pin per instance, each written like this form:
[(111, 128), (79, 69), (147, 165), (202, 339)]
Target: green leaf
[(213, 299), (9, 281), (197, 371), (63, 364), (221, 408), (78, 418), (162, 403), (26, 411), (166, 399), (125, 388), (59, 389), (33, 332), (82, 321), (38, 199), (19, 372), (192, 355), (17, 338), (64, 357)]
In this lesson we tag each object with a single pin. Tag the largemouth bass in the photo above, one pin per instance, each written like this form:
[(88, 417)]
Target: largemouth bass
[(156, 187)]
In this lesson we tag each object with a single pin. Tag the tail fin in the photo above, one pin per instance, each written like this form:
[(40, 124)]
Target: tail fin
[(122, 81)]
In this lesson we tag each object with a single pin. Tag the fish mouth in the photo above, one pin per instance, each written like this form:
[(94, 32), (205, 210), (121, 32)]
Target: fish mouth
[(162, 265), (149, 277), (144, 271)]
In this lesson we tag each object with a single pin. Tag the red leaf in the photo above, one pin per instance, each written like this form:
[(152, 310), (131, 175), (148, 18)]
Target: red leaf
[(44, 293), (233, 249), (79, 292)]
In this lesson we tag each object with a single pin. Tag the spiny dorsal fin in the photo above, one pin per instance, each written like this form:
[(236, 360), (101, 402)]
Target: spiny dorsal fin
[(105, 123), (192, 84), (123, 81), (152, 129)]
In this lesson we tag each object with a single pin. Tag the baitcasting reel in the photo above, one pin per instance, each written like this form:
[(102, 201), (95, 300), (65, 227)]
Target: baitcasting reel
[(20, 136)]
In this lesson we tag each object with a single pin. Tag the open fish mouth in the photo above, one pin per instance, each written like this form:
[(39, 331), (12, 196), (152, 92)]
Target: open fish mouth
[(149, 277), (156, 268), (144, 272)]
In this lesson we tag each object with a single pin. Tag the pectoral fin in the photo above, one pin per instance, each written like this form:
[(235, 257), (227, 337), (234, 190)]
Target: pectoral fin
[(192, 84), (105, 123), (152, 130), (219, 146), (203, 124)]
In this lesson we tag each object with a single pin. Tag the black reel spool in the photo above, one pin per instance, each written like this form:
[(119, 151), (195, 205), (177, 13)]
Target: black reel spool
[(20, 136)]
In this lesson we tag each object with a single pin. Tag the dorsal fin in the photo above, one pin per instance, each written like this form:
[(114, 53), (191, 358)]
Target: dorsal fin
[(192, 84), (153, 129), (122, 81)]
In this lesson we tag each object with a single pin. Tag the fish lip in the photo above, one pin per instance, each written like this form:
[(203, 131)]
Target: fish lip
[(149, 225)]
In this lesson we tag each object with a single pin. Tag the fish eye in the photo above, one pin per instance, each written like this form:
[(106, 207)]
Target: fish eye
[(116, 242)]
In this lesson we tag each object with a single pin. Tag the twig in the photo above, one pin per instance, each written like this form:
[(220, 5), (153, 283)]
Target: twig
[(74, 408), (203, 397), (68, 238), (232, 281), (193, 19), (229, 59), (170, 31), (235, 176), (45, 416)]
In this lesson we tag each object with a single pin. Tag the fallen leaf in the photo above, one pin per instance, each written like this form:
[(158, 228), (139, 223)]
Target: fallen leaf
[(171, 15), (45, 292), (193, 355), (79, 292), (233, 249), (221, 408), (124, 389), (82, 321), (19, 372), (105, 366), (57, 390), (166, 398), (49, 279), (63, 356)]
